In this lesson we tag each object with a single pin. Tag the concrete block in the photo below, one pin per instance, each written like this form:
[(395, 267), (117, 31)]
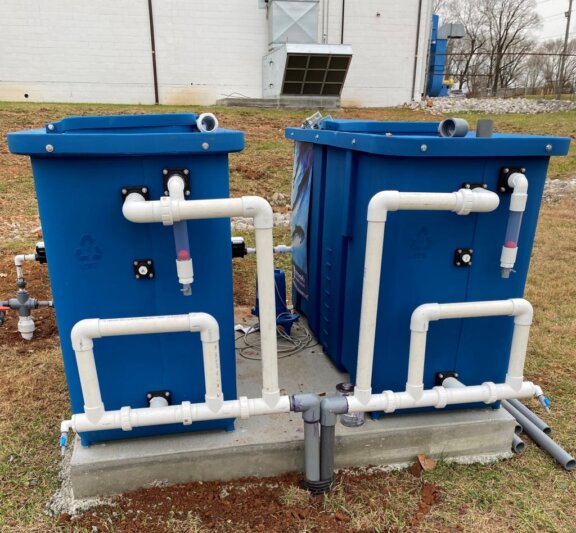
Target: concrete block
[(271, 445)]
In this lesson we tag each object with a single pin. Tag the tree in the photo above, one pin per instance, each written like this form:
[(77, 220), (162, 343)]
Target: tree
[(508, 23), (494, 51)]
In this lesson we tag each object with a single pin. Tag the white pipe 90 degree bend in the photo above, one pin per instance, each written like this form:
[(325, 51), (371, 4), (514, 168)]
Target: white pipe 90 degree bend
[(462, 202), (167, 210), (519, 184), (519, 308)]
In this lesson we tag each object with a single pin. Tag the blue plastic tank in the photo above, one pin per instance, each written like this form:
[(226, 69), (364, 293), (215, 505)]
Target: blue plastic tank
[(80, 166), (349, 162)]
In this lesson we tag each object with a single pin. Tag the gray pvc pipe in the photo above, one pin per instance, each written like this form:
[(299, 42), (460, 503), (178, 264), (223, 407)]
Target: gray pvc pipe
[(311, 447), (330, 408), (484, 127), (539, 437), (453, 127), (309, 406), (518, 445), (327, 439), (533, 417)]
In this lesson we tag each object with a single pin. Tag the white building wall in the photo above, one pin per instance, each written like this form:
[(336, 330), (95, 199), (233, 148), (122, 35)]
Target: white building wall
[(75, 51), (383, 36), (208, 49), (100, 51)]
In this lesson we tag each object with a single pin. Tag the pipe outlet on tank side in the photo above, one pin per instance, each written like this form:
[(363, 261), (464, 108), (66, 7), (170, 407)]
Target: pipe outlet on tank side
[(518, 183), (184, 267)]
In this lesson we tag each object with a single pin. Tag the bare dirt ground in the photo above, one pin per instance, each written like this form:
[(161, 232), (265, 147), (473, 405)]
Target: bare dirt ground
[(268, 505)]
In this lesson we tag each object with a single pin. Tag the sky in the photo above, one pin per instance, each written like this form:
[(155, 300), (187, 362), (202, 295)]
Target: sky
[(553, 20)]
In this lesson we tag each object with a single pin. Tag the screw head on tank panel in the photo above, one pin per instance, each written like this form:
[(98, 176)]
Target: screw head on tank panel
[(463, 257), (143, 268)]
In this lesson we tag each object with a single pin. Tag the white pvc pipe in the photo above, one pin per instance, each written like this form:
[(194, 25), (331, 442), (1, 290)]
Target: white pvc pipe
[(19, 263), (86, 330), (168, 211), (440, 397), (184, 266), (519, 184), (176, 187), (424, 314), (185, 413), (267, 314), (279, 249), (207, 122), (462, 202)]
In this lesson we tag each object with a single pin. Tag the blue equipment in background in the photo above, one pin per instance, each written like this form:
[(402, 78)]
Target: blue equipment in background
[(284, 318), (437, 84)]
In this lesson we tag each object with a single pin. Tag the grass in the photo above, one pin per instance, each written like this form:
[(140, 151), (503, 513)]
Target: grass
[(527, 494)]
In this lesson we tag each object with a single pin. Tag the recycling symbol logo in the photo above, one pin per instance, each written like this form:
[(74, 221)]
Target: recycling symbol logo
[(88, 252)]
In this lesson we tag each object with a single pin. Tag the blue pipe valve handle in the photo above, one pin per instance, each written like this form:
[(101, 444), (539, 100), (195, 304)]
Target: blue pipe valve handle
[(63, 443), (544, 402)]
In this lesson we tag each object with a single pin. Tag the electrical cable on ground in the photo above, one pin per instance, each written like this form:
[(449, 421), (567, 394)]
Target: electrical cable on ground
[(288, 345)]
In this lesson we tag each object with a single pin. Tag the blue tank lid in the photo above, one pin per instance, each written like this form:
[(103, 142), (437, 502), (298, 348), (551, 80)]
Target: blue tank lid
[(421, 139), (124, 135)]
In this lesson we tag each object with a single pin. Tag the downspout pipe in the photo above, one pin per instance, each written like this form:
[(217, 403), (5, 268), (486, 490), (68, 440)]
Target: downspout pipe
[(309, 406), (342, 21), (461, 202), (153, 50), (416, 49), (168, 211)]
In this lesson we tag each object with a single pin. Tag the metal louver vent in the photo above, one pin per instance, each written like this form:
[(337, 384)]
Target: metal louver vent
[(313, 74), (306, 70)]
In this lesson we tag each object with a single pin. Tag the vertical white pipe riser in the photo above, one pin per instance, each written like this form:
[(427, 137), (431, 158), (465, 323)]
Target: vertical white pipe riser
[(369, 309), (515, 375), (93, 406), (416, 358), (267, 302), (212, 374)]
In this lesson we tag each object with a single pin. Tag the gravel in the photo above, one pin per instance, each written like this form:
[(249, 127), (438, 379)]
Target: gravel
[(496, 106), (63, 501), (246, 224), (554, 190)]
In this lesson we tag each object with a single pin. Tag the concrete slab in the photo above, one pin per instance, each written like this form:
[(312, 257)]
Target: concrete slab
[(270, 445), (331, 103)]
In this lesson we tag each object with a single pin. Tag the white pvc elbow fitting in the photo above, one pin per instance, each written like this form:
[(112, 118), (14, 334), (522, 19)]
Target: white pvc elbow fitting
[(207, 122)]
